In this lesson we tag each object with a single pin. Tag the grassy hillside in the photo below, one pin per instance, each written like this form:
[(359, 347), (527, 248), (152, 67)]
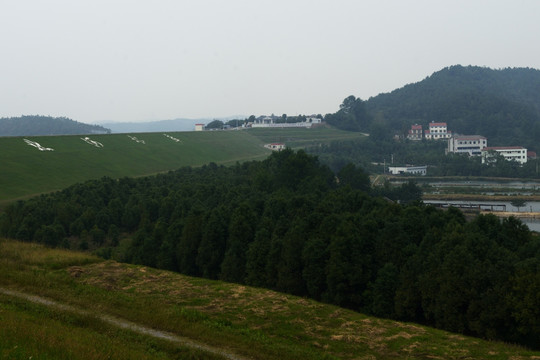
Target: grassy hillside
[(251, 323), (26, 171)]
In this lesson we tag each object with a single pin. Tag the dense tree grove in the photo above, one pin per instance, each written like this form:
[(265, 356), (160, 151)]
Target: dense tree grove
[(351, 116), (291, 224)]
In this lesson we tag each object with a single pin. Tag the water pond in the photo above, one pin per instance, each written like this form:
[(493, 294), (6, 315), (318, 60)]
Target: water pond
[(531, 206)]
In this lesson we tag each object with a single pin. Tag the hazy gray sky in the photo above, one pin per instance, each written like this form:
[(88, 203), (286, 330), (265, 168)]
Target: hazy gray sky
[(136, 60)]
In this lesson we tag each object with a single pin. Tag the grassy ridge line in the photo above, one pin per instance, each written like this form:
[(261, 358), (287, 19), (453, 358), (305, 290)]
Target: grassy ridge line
[(24, 170), (255, 323)]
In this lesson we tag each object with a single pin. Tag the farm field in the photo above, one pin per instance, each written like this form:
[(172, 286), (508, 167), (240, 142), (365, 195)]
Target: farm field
[(25, 170), (247, 323)]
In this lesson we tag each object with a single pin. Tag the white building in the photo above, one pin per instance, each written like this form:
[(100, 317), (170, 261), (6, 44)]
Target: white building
[(408, 170), (438, 131), (268, 122), (470, 144), (313, 120), (512, 153), (199, 127)]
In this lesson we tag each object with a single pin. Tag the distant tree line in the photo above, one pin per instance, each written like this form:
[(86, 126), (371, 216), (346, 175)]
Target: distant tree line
[(291, 224), (34, 125)]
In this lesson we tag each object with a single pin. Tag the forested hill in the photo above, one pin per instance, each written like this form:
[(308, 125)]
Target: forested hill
[(286, 224), (33, 125), (503, 105)]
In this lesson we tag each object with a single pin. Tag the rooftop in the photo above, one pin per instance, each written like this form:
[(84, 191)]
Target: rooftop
[(468, 137)]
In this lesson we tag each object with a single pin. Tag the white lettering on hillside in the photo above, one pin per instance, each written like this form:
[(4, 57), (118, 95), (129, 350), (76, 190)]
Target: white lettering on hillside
[(172, 138), (136, 140), (92, 142), (37, 145)]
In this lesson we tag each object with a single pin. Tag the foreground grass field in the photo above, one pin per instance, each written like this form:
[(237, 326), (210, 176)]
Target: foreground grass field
[(27, 171), (251, 323)]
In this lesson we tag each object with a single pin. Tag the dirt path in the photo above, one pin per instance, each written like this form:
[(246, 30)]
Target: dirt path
[(125, 324)]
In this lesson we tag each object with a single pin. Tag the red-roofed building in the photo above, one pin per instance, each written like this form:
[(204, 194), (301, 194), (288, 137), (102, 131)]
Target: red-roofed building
[(531, 155), (437, 131), (415, 133)]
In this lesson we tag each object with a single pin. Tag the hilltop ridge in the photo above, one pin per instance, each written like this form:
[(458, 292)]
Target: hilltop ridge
[(503, 105), (34, 125)]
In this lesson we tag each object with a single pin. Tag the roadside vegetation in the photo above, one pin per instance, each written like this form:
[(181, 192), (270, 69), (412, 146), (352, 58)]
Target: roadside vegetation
[(250, 322)]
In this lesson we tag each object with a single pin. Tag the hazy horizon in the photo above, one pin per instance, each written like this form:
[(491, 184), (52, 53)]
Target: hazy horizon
[(135, 61)]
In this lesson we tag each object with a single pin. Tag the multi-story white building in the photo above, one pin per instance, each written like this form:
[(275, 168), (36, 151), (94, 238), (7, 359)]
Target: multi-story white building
[(415, 133), (470, 144), (437, 131), (512, 153)]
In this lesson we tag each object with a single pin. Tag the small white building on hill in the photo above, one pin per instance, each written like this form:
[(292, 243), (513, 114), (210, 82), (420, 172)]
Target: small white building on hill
[(275, 146)]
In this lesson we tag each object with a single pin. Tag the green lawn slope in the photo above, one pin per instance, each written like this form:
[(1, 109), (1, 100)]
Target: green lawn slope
[(249, 323), (27, 171)]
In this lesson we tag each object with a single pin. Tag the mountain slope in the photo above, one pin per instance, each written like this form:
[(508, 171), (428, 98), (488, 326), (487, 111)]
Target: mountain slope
[(503, 105), (32, 125)]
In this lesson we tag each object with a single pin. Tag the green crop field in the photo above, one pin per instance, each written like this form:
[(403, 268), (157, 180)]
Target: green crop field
[(27, 171)]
